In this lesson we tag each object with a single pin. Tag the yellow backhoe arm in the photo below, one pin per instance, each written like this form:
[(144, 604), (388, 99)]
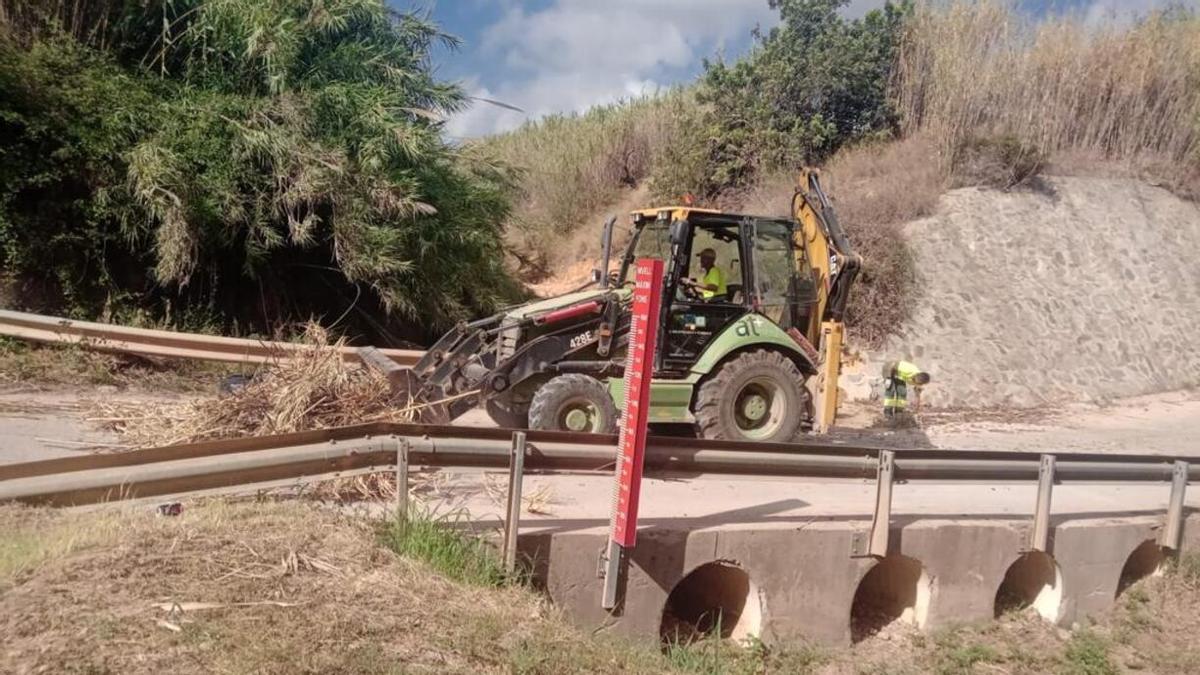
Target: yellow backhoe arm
[(822, 246)]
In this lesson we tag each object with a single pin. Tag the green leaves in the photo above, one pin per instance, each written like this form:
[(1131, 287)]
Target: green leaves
[(284, 150), (812, 84)]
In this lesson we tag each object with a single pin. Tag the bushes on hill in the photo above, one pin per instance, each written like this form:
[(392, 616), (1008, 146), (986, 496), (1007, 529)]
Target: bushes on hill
[(575, 167), (812, 84)]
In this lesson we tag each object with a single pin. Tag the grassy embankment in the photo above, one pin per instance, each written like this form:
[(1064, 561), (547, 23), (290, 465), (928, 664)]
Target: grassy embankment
[(291, 587)]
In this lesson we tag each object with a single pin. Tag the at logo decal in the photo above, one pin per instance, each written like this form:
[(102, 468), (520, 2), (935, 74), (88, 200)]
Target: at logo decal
[(746, 328)]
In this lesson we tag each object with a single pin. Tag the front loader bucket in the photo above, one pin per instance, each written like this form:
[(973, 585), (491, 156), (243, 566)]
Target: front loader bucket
[(404, 383), (443, 384)]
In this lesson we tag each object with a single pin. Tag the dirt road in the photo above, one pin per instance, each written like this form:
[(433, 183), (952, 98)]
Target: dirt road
[(1167, 424), (40, 424), (46, 424)]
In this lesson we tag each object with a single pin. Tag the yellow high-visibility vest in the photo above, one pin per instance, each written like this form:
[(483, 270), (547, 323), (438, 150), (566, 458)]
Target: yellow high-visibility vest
[(906, 371), (713, 277)]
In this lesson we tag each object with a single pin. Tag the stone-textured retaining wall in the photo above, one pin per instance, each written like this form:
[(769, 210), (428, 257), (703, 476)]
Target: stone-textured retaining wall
[(1026, 298)]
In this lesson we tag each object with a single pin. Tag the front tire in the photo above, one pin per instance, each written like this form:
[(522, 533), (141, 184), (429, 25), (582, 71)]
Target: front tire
[(573, 402), (757, 395), (507, 413)]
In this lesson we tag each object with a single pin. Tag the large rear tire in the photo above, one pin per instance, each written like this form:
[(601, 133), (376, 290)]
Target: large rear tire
[(573, 402), (757, 395)]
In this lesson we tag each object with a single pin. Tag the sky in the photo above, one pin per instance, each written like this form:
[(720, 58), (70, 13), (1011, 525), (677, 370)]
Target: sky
[(562, 56)]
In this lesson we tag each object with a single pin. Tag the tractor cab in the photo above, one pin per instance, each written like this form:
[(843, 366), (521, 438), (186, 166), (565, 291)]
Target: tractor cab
[(757, 258)]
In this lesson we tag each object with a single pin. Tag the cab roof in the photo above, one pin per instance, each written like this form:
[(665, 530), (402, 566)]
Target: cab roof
[(653, 212), (709, 216)]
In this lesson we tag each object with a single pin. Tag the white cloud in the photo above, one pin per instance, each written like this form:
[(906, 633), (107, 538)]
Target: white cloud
[(579, 53), (576, 54)]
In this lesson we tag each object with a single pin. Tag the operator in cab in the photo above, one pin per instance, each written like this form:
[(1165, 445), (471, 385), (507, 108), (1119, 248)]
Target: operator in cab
[(712, 281)]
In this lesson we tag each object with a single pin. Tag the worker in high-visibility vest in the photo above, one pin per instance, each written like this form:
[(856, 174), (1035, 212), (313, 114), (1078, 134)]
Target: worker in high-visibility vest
[(897, 375), (712, 284)]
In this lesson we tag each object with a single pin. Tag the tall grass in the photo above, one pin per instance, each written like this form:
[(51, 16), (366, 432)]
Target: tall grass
[(574, 167), (982, 69), (452, 552)]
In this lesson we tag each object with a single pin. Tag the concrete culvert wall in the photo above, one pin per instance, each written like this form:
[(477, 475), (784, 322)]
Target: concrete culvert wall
[(1034, 580), (896, 589), (716, 596), (1146, 560)]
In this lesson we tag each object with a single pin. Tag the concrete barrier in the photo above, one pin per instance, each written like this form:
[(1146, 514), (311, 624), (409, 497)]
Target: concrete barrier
[(807, 584)]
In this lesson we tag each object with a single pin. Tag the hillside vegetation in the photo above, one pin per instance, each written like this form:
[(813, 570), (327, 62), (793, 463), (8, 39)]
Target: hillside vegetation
[(897, 107)]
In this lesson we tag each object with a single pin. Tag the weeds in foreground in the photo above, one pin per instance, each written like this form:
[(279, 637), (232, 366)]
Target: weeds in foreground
[(1087, 653), (961, 659), (1186, 569), (108, 567), (29, 538), (437, 542), (715, 655)]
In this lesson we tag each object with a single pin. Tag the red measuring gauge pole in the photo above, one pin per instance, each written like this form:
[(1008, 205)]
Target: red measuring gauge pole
[(631, 444)]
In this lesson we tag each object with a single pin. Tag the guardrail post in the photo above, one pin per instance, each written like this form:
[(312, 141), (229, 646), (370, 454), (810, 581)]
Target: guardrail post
[(1039, 540), (881, 523), (1172, 532), (401, 479), (610, 571), (512, 519)]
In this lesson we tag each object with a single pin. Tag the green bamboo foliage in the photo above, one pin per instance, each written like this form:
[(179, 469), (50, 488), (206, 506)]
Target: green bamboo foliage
[(278, 146)]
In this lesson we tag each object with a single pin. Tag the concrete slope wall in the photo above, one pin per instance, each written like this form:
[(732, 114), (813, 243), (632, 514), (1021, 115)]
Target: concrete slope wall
[(1087, 291)]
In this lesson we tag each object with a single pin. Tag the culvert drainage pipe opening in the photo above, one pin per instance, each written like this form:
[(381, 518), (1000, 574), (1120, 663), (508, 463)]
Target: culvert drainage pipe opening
[(715, 599), (896, 589), (1146, 560), (1034, 580)]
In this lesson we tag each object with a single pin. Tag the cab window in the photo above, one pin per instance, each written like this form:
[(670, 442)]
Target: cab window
[(653, 241), (724, 243), (774, 265)]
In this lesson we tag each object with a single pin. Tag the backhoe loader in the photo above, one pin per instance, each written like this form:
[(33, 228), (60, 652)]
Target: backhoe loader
[(757, 362)]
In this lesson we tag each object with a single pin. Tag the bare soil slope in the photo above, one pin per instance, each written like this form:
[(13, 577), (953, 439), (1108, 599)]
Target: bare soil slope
[(1084, 290)]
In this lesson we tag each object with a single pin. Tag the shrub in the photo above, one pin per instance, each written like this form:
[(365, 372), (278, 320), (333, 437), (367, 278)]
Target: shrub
[(812, 84), (1088, 654), (1002, 163), (434, 541)]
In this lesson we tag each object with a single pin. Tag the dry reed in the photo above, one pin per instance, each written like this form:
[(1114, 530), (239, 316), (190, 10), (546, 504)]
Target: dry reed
[(574, 168), (982, 69), (316, 389)]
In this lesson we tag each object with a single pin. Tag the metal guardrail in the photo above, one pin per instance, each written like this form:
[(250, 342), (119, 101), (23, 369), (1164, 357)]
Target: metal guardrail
[(162, 343), (312, 455)]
